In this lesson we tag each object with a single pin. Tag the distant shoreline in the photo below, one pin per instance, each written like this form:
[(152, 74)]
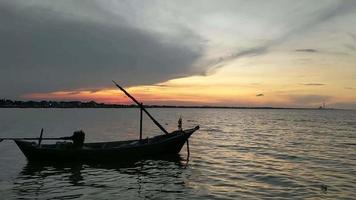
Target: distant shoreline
[(92, 104)]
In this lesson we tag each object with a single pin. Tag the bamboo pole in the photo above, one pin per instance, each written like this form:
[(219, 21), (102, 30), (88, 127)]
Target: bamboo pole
[(40, 139), (148, 114), (35, 138)]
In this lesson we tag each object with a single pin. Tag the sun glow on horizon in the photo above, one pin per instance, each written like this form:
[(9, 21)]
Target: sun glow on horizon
[(210, 90)]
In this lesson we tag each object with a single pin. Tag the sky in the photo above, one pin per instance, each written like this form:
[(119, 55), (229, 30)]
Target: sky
[(280, 53)]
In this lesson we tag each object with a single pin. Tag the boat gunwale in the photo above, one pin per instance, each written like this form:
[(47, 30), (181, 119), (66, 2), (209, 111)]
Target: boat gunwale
[(123, 144)]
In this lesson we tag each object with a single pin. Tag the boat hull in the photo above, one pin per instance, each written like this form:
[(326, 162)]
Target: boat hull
[(163, 145)]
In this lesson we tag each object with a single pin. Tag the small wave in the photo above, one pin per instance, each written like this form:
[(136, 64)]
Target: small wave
[(286, 157), (347, 143)]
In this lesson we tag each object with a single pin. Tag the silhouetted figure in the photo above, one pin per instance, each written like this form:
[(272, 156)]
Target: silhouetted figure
[(78, 138), (180, 123)]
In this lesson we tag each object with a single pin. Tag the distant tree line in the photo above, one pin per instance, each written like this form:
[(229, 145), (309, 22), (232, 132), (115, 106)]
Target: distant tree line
[(6, 103)]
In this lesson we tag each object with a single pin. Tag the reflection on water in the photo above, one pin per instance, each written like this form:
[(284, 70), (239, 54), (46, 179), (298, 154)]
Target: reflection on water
[(237, 154), (122, 179)]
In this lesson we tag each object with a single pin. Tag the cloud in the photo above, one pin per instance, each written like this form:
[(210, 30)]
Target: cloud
[(307, 50), (54, 46), (353, 36), (351, 47), (260, 95), (62, 45), (349, 88), (161, 85), (313, 84), (305, 24)]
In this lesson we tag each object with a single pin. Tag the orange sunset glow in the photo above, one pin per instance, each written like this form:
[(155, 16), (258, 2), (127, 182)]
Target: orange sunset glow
[(214, 90)]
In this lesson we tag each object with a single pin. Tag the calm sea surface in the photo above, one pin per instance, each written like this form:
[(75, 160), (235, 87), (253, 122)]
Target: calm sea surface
[(237, 154)]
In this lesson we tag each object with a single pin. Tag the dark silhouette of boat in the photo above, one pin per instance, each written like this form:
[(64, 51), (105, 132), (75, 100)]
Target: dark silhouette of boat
[(169, 144)]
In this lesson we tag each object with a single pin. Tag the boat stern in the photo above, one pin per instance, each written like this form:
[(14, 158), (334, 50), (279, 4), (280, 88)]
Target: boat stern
[(26, 147)]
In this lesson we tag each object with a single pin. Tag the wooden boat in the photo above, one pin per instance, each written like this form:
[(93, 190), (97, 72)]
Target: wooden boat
[(169, 144)]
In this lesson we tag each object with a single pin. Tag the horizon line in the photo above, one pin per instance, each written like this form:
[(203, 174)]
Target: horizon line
[(94, 104)]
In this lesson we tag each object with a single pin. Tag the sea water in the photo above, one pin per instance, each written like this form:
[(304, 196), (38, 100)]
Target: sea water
[(236, 154)]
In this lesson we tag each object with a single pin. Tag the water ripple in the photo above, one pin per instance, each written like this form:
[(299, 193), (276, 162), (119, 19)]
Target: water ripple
[(237, 154)]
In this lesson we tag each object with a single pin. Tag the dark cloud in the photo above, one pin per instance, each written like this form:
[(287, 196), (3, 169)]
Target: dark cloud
[(260, 95), (250, 52), (55, 45), (161, 85), (45, 48), (73, 92), (307, 50), (313, 84), (349, 88)]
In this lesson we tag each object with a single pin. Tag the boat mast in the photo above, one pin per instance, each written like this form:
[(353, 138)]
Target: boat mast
[(141, 122), (142, 108)]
